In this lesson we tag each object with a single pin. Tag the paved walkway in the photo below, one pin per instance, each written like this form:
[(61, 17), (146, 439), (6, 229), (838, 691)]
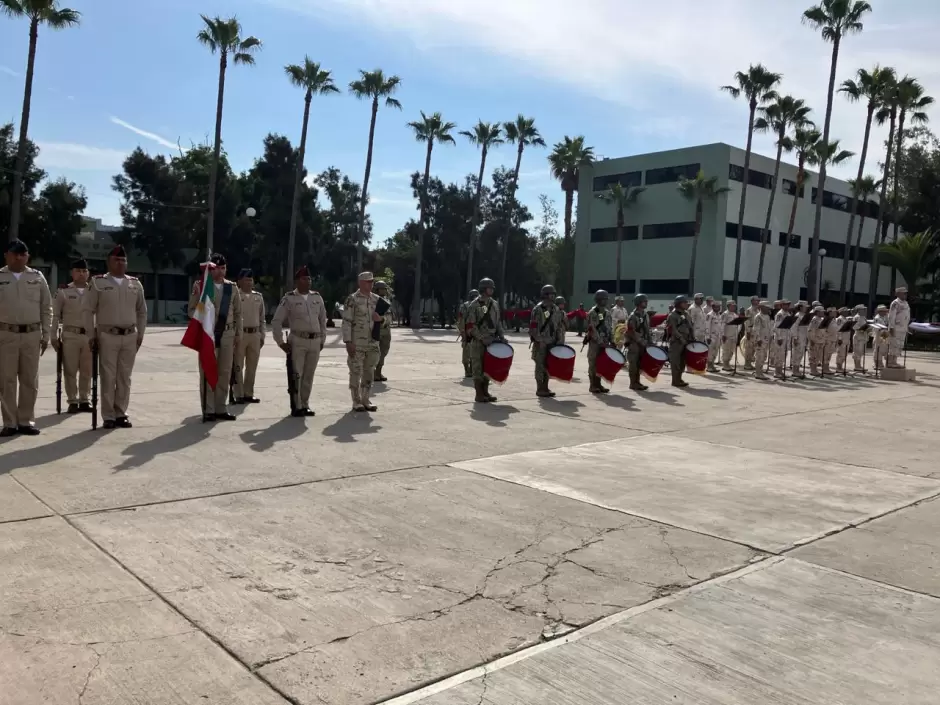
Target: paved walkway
[(737, 542)]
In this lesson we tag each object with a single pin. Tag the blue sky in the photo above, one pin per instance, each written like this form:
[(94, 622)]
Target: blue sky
[(622, 73)]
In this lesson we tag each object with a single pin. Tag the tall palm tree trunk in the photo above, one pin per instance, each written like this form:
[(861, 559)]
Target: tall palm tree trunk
[(619, 245), (896, 200), (419, 256), (475, 219), (882, 224), (747, 167), (566, 273), (698, 230), (786, 249), (216, 151), (365, 183), (854, 211), (24, 132), (813, 283), (858, 247), (569, 212), (295, 201), (511, 203), (765, 235)]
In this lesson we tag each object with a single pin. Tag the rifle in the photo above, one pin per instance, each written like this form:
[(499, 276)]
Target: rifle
[(291, 381), (58, 379), (232, 381), (94, 387)]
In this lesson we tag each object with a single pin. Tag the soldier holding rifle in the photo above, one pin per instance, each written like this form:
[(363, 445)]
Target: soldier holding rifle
[(248, 352), (385, 330), (71, 342), (303, 311)]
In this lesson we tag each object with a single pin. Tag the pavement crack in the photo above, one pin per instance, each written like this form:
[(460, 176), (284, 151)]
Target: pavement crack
[(662, 535), (88, 676), (483, 685)]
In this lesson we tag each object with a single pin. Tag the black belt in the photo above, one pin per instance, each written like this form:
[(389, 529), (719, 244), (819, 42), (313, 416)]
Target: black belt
[(20, 328), (306, 336), (74, 329), (250, 331), (112, 330)]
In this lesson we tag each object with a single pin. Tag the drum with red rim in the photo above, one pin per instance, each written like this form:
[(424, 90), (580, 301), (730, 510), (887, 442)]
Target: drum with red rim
[(696, 357), (497, 359), (609, 362), (559, 362), (652, 362)]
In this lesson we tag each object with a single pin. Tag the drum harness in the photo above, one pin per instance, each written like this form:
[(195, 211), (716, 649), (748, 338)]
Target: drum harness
[(547, 320)]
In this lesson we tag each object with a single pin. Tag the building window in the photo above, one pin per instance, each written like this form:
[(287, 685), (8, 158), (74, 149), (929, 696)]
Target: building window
[(750, 233), (869, 209), (662, 231), (671, 174), (174, 287), (754, 177), (631, 178), (630, 232), (832, 200), (610, 285), (832, 248), (664, 286), (864, 254), (789, 188), (795, 240), (744, 289)]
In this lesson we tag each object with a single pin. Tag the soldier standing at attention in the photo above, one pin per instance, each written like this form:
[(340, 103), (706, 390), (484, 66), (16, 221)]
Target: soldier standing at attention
[(248, 352), (561, 303), (73, 342), (462, 329), (598, 336), (638, 339), (25, 330), (546, 328), (750, 312), (483, 327), (304, 312), (115, 318), (696, 314), (362, 352), (729, 335), (762, 332), (228, 333), (899, 321), (681, 334), (385, 331)]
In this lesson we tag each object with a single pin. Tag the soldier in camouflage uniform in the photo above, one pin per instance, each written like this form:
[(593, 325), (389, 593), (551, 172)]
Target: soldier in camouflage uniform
[(561, 303), (483, 327), (462, 329), (681, 334), (546, 328), (598, 337), (385, 332), (639, 338), (362, 352)]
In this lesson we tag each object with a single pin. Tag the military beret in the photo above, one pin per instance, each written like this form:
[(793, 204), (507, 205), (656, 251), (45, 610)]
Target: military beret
[(17, 247), (304, 271), (246, 272), (118, 251), (79, 264), (218, 259)]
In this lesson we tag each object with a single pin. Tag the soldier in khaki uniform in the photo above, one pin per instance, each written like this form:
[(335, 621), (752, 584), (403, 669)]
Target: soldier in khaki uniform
[(228, 332), (248, 351), (72, 339), (25, 328), (114, 317), (361, 350), (304, 312), (385, 332)]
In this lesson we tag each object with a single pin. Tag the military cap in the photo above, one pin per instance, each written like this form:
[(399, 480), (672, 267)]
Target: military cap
[(559, 300), (731, 302), (766, 304), (716, 303), (818, 309), (861, 307), (640, 299), (486, 283), (901, 290), (380, 286), (548, 290), (802, 303), (473, 294), (817, 303), (366, 276), (844, 309), (246, 272), (79, 264), (17, 247), (699, 296), (881, 307), (118, 251), (777, 302), (755, 298), (304, 271), (785, 302)]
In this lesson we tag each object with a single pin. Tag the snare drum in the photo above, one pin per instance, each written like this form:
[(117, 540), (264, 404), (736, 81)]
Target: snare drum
[(497, 359), (609, 362), (559, 362), (696, 357), (652, 361)]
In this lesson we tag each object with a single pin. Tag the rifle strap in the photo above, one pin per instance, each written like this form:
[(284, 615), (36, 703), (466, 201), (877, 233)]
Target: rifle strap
[(223, 314)]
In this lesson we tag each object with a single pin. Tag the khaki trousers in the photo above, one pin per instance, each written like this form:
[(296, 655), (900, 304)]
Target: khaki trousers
[(19, 367), (116, 355), (76, 362), (216, 400), (385, 342), (247, 354), (305, 355), (362, 365)]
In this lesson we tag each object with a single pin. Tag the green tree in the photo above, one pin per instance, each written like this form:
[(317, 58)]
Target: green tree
[(484, 135), (314, 81), (912, 104), (622, 198), (868, 86), (566, 161), (223, 36), (429, 129), (757, 86), (912, 255), (834, 19), (372, 86), (700, 190), (862, 190), (804, 143), (779, 117), (38, 12)]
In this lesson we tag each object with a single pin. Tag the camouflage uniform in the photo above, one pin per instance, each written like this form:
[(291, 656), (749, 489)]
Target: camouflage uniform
[(682, 334), (638, 339), (464, 338), (546, 328), (599, 334), (385, 337), (483, 327), (357, 329)]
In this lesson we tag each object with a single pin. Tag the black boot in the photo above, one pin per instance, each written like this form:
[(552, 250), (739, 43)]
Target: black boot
[(481, 395), (486, 391)]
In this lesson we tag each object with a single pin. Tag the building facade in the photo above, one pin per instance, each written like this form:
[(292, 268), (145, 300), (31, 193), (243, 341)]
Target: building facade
[(657, 245)]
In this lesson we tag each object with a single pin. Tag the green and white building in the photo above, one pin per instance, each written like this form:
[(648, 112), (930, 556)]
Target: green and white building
[(657, 244)]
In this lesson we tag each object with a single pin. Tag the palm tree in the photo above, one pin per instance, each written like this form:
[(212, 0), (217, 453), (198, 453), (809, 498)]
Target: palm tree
[(314, 81), (911, 255), (778, 117), (521, 133), (38, 12), (757, 86), (223, 36), (911, 104), (804, 143), (374, 86), (566, 160), (484, 135), (622, 198), (834, 19), (429, 129), (869, 85), (888, 112), (700, 190), (862, 190)]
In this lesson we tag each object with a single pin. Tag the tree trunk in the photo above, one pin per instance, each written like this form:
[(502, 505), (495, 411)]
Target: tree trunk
[(156, 292), (216, 151), (295, 201), (20, 168), (512, 202), (747, 166), (567, 267), (365, 182), (765, 235), (882, 225), (698, 230), (419, 255), (619, 244), (854, 211), (895, 208), (786, 249), (858, 246), (475, 218), (569, 212), (813, 280)]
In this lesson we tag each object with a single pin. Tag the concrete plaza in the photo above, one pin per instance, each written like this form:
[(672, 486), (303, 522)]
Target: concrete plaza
[(734, 543)]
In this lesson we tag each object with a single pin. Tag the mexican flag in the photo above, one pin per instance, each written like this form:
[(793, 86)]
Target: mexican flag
[(200, 333)]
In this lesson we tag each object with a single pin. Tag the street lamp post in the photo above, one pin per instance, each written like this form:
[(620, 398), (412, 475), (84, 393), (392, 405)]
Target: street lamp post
[(822, 260)]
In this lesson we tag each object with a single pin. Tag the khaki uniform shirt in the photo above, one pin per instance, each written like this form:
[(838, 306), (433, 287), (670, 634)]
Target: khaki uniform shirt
[(253, 314), (233, 320), (67, 309), (750, 312), (357, 318), (113, 303), (26, 301), (301, 313), (761, 328)]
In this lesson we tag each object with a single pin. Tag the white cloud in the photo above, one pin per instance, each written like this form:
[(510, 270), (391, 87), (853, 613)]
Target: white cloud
[(67, 155), (9, 72), (143, 133), (665, 67)]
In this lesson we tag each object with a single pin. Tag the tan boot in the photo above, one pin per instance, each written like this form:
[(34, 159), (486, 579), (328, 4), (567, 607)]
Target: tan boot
[(481, 395), (364, 396), (356, 401), (486, 391)]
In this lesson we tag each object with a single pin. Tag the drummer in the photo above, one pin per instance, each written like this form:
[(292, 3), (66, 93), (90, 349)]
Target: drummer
[(546, 328), (681, 334), (483, 326), (639, 338), (599, 334)]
